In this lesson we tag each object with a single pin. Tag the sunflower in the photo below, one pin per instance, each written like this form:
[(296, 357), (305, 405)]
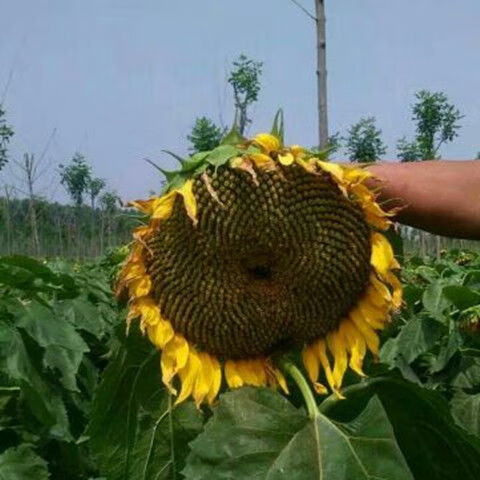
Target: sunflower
[(256, 249)]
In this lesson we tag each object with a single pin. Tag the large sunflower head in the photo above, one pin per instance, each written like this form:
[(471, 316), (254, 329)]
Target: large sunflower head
[(256, 249)]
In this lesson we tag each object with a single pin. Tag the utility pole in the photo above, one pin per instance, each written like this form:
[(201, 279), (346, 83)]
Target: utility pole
[(321, 74)]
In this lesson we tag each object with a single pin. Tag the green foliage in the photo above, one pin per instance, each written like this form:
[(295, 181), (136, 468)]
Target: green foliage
[(134, 431), (22, 463), (93, 188), (363, 142), (436, 122), (65, 230), (245, 80), (75, 177), (205, 135), (257, 433), (408, 151), (55, 325), (6, 132), (415, 416)]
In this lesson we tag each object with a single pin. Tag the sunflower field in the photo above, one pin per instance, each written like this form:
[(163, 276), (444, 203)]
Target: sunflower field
[(258, 326)]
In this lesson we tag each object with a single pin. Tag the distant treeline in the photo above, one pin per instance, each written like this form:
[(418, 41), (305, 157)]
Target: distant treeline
[(52, 229)]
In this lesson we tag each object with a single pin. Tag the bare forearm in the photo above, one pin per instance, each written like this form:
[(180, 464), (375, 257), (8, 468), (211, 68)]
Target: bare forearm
[(441, 197)]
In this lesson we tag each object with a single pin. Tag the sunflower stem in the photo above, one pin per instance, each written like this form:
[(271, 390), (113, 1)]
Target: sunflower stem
[(291, 369)]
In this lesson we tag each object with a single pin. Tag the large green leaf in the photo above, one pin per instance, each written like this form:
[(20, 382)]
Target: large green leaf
[(256, 433), (468, 373), (462, 297), (30, 275), (222, 154), (42, 398), (434, 446), (22, 463), (466, 411), (134, 433), (64, 347), (434, 301), (415, 338)]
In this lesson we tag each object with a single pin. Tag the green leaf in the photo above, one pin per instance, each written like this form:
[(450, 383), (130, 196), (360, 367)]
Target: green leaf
[(434, 446), (434, 300), (256, 433), (195, 161), (453, 343), (233, 137), (22, 463), (278, 129), (427, 273), (221, 155), (466, 411), (64, 347), (134, 433), (462, 297), (468, 376), (415, 338), (43, 401)]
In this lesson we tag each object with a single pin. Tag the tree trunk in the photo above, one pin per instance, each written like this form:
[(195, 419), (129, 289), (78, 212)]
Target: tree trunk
[(321, 75)]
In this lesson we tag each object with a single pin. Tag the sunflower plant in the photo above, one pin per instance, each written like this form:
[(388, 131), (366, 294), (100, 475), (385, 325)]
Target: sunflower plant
[(262, 277)]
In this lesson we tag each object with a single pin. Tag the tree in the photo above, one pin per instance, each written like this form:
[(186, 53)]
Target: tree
[(6, 132), (205, 135), (408, 151), (436, 122), (93, 188), (75, 178), (364, 143), (478, 156), (245, 81)]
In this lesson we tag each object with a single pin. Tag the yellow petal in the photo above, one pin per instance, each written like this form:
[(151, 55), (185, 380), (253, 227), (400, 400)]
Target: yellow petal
[(216, 381), (275, 377), (356, 175), (371, 338), (189, 200), (267, 142), (382, 293), (336, 344), (397, 289), (286, 159), (162, 209), (320, 388), (160, 334), (373, 315), (174, 357), (204, 379), (252, 372), (309, 165), (262, 161), (232, 377), (356, 346), (381, 223), (334, 169), (145, 206), (142, 232), (188, 376), (311, 362), (140, 287), (296, 150), (382, 253), (132, 270), (322, 353)]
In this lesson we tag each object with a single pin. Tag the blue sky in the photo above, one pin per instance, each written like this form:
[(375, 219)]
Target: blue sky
[(122, 79)]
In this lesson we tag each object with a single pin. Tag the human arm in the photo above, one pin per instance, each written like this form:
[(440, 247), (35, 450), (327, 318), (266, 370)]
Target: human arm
[(442, 197)]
